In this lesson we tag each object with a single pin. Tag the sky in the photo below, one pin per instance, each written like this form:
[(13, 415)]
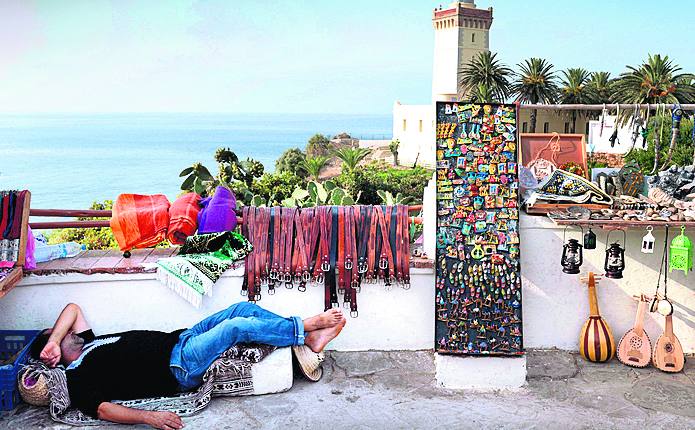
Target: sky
[(353, 56)]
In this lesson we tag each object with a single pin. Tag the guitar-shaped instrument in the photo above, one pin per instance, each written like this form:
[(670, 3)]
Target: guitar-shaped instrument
[(634, 348), (596, 341), (668, 352)]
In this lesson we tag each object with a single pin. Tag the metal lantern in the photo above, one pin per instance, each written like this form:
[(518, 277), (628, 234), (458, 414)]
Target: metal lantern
[(615, 259), (572, 255), (648, 241), (590, 240), (681, 251)]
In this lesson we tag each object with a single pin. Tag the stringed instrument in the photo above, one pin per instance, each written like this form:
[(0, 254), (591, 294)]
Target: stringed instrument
[(596, 341), (635, 348), (668, 352)]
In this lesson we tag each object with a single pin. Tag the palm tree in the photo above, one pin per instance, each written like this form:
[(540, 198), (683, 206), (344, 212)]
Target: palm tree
[(535, 83), (484, 69), (314, 165), (482, 94), (655, 81), (601, 86), (351, 156), (575, 90)]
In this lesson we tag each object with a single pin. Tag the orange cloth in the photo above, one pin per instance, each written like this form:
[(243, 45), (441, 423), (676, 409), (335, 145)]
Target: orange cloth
[(183, 218), (139, 221)]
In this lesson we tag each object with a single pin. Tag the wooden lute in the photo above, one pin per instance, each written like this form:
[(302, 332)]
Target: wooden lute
[(634, 348), (668, 352), (596, 341)]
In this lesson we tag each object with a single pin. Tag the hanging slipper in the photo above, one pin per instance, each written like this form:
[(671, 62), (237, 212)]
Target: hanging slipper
[(309, 362)]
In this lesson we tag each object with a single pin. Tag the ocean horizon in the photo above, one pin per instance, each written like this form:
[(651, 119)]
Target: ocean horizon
[(70, 160)]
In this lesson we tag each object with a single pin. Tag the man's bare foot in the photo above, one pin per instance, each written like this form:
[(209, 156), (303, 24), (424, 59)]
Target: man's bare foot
[(318, 339), (327, 319)]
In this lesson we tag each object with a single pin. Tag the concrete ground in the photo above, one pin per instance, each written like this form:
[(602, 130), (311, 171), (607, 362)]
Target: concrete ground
[(396, 390)]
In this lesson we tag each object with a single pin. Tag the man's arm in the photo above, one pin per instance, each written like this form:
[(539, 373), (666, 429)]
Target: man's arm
[(70, 319), (123, 415)]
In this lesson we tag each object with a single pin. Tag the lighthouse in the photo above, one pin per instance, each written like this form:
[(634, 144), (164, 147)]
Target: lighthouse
[(461, 31)]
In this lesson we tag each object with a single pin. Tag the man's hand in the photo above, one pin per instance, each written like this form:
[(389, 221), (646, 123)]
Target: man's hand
[(50, 354), (164, 420)]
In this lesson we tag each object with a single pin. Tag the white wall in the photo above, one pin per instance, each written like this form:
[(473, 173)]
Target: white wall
[(445, 63), (555, 305), (599, 139), (413, 140)]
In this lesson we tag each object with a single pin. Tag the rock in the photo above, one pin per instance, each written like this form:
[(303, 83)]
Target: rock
[(673, 217)]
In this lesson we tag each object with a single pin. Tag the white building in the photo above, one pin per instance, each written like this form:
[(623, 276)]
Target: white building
[(460, 32)]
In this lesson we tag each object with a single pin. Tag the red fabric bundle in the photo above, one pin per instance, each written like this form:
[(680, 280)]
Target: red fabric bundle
[(139, 221), (183, 218)]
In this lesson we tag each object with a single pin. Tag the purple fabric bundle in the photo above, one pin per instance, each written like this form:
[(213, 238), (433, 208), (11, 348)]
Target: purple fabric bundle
[(217, 213)]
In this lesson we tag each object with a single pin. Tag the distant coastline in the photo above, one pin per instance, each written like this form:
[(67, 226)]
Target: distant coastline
[(70, 160)]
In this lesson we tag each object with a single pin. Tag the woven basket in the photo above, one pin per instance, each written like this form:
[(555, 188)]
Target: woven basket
[(33, 388)]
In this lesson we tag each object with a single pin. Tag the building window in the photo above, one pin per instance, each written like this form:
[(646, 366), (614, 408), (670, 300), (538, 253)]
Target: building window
[(404, 123), (524, 127), (546, 127), (473, 37), (420, 126), (567, 127)]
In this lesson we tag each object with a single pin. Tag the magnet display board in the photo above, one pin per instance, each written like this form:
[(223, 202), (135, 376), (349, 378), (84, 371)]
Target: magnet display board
[(478, 276)]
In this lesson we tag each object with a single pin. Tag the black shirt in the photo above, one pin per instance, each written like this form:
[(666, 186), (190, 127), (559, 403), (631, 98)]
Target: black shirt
[(121, 366)]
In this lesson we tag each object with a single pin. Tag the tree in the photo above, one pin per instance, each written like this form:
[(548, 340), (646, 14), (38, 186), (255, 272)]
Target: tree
[(351, 157), (535, 83), (487, 72), (393, 147), (575, 90), (292, 160), (314, 166), (657, 81), (482, 94), (318, 145), (601, 87)]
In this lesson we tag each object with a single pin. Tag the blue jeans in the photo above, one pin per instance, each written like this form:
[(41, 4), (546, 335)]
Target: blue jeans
[(199, 346)]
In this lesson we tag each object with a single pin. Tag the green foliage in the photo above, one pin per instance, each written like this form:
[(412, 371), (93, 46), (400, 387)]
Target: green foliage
[(369, 179), (273, 188), (314, 165), (318, 145), (317, 194), (485, 77), (657, 80), (682, 154), (393, 147), (92, 238), (535, 82), (574, 89), (351, 157), (601, 87), (389, 199), (234, 174), (292, 161)]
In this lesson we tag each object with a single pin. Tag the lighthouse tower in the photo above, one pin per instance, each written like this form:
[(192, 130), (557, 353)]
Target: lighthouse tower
[(461, 31)]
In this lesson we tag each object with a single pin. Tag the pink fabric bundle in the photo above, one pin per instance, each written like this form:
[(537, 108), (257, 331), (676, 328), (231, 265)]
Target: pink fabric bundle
[(183, 218)]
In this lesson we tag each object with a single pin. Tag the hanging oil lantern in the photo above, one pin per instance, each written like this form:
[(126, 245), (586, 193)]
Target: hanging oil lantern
[(681, 253), (615, 258), (648, 241), (590, 240), (572, 255)]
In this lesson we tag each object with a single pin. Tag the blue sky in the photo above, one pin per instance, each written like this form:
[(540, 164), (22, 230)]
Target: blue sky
[(353, 56)]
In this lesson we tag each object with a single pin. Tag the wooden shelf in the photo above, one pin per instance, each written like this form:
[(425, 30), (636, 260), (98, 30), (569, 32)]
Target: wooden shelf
[(615, 224)]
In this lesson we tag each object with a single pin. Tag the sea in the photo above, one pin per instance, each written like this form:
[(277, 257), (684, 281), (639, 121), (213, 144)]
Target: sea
[(68, 161)]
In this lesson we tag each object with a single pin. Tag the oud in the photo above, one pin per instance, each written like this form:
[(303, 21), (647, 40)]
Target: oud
[(668, 353), (634, 348), (596, 341)]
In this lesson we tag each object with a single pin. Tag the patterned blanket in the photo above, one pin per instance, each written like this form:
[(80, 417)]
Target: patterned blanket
[(229, 375), (201, 261)]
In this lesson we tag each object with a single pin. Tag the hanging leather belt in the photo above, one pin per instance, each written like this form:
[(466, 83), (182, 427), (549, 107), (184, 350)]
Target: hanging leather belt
[(386, 255), (247, 262), (287, 236), (331, 276)]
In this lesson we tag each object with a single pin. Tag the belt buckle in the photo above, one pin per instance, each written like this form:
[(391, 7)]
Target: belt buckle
[(353, 314), (320, 278), (348, 264), (383, 263), (306, 276), (301, 287), (325, 266), (362, 268)]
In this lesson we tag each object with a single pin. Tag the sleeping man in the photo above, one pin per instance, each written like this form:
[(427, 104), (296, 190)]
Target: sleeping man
[(142, 364)]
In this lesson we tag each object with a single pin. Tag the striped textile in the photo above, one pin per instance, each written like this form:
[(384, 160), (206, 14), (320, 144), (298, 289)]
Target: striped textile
[(183, 218), (140, 221)]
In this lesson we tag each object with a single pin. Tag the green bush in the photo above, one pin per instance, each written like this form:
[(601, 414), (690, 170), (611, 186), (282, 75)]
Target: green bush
[(92, 238), (276, 187), (292, 161), (682, 154), (377, 176), (318, 145)]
